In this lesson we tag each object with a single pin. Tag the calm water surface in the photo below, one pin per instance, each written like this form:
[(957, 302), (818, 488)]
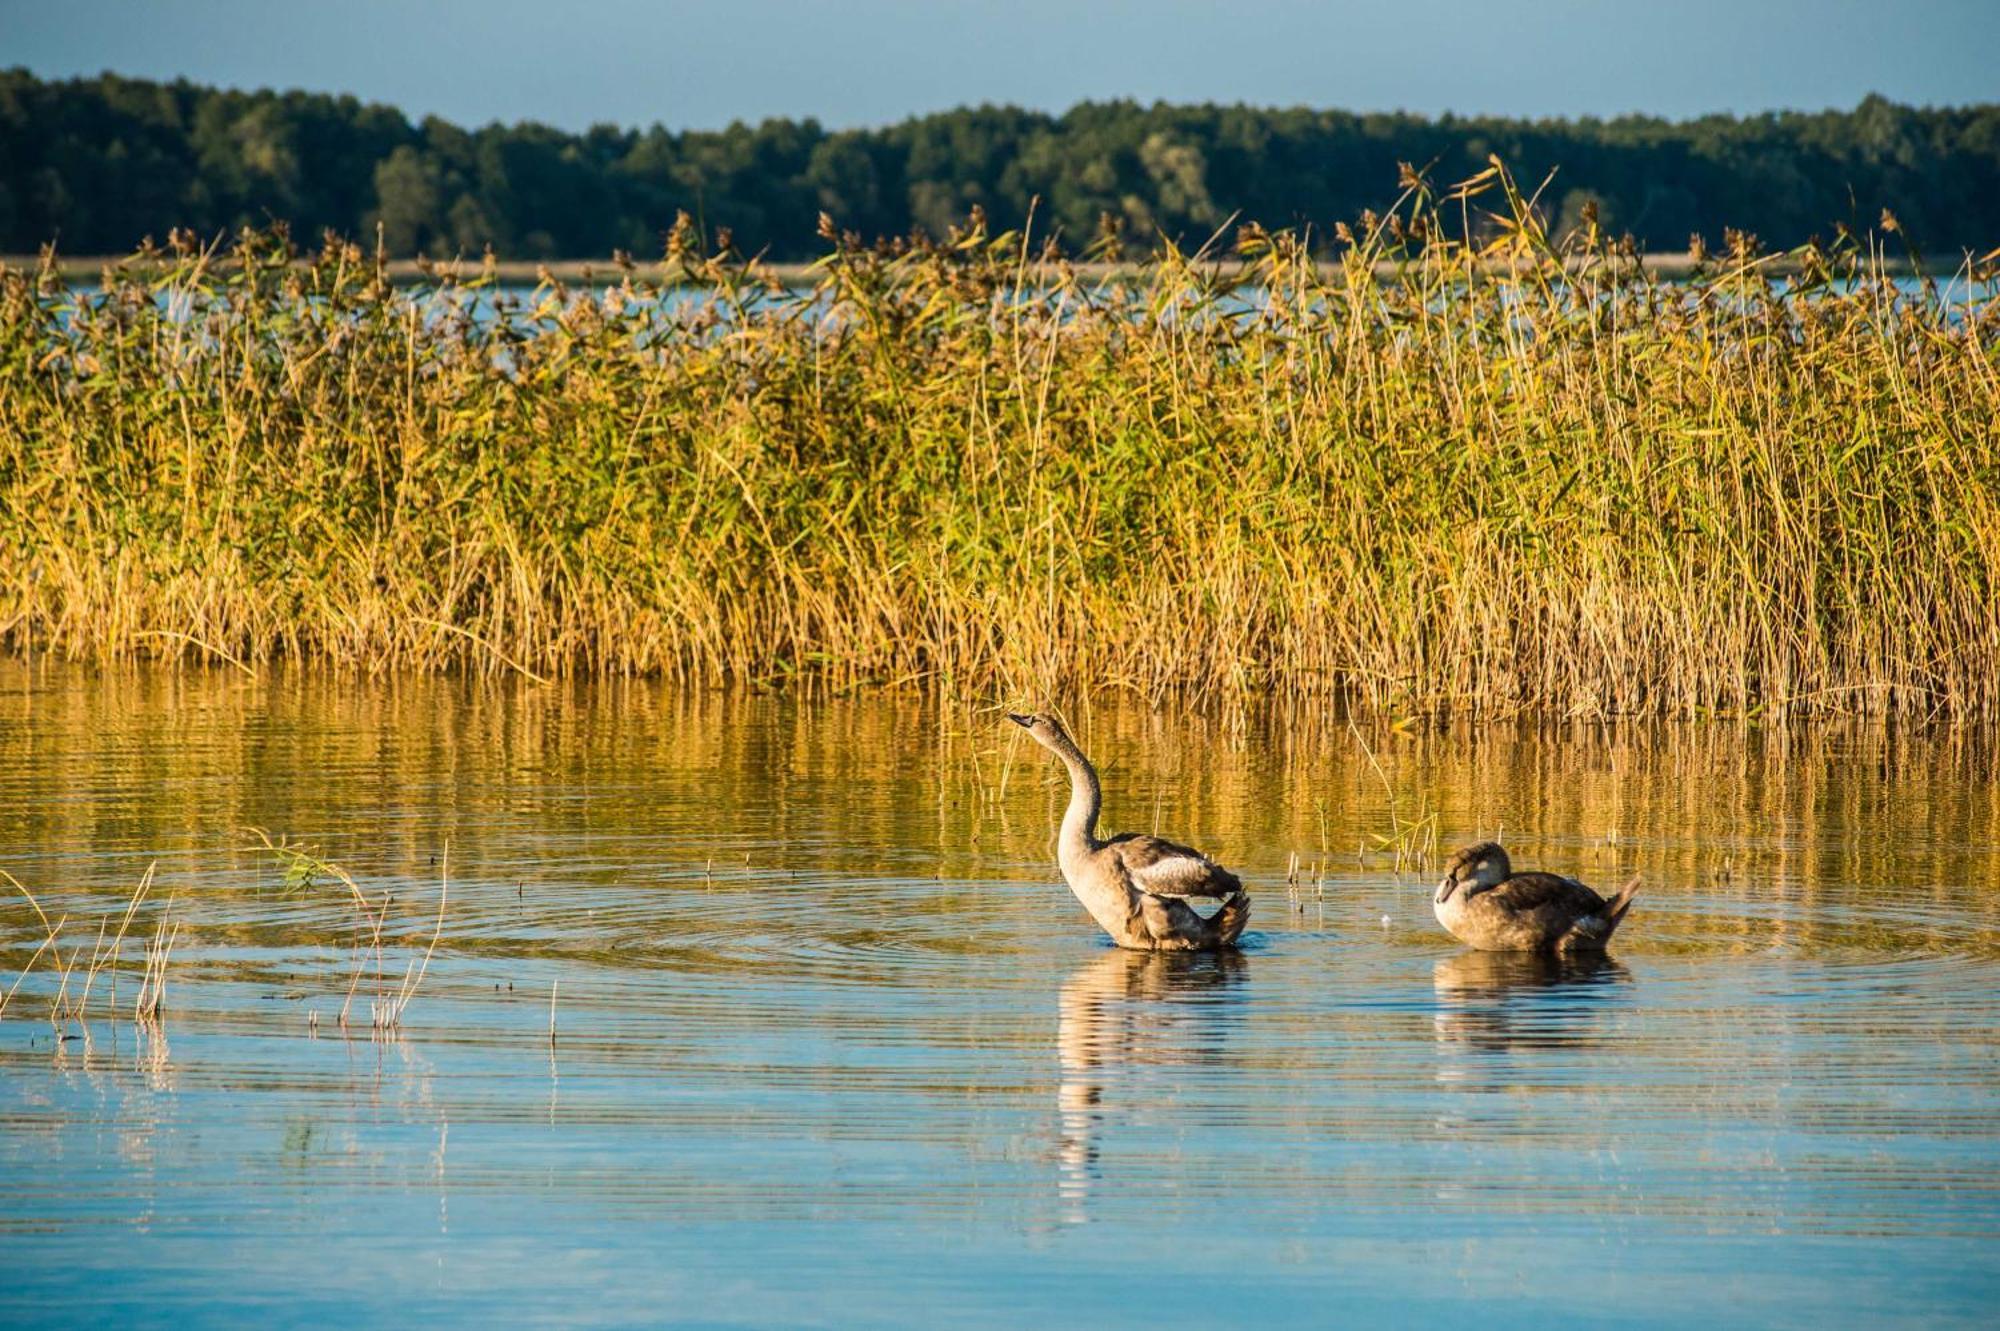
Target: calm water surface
[(835, 1047)]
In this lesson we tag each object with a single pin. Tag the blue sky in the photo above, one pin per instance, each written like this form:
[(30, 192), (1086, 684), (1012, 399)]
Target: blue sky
[(864, 62)]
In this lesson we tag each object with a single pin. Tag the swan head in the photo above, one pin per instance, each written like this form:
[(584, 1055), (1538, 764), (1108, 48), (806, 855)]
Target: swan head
[(1475, 868), (1046, 729)]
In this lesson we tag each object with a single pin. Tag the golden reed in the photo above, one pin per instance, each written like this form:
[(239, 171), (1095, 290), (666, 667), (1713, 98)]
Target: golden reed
[(1513, 473)]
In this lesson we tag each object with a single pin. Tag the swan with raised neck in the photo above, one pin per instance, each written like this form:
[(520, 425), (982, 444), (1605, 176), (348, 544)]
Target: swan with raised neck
[(1135, 886)]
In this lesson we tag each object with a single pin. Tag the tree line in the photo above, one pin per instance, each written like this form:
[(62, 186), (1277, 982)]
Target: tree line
[(94, 165)]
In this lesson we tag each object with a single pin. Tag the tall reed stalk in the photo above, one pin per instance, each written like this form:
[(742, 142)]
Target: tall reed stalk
[(1516, 474)]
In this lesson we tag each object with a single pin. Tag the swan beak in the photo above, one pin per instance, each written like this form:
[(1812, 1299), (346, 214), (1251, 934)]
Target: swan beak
[(1019, 720), (1445, 889)]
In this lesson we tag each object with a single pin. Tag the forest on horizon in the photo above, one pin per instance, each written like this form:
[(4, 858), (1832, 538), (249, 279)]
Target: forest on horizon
[(96, 165)]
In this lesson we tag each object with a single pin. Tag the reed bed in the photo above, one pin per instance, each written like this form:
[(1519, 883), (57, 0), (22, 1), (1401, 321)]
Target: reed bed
[(1516, 475)]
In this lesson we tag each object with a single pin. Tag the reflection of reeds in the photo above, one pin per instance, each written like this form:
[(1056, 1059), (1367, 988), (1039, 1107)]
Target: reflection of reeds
[(1411, 842), (1518, 473)]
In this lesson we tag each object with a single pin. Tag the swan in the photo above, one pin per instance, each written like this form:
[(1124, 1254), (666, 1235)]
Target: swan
[(1135, 885), (1483, 902)]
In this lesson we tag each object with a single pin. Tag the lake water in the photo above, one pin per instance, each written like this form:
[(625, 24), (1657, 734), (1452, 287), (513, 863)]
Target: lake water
[(835, 1047)]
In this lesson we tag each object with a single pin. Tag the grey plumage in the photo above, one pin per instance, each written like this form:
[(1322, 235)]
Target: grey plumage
[(1483, 902), (1158, 865), (1136, 886)]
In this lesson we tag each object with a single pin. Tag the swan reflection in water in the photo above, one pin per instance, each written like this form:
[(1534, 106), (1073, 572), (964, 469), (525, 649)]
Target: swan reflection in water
[(1512, 1002), (1119, 1017)]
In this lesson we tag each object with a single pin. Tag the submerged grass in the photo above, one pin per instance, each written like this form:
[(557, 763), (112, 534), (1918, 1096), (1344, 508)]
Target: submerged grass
[(1517, 474), (301, 869), (69, 1004)]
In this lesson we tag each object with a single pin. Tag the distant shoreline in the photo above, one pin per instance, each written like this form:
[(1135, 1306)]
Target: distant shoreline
[(107, 160), (1670, 265)]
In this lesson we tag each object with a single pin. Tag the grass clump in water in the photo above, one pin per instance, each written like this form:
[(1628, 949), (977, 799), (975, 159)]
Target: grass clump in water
[(1510, 474)]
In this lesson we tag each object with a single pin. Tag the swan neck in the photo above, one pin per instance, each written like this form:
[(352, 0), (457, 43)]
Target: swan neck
[(1079, 824)]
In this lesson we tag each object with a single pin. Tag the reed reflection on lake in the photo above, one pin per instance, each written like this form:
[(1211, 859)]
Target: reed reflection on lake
[(834, 1044)]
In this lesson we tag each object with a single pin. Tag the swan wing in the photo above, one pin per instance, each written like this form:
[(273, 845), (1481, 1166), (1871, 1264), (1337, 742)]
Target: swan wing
[(1173, 925), (1532, 893), (1167, 869)]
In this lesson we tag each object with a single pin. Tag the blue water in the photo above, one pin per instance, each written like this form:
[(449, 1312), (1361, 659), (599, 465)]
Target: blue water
[(834, 1047)]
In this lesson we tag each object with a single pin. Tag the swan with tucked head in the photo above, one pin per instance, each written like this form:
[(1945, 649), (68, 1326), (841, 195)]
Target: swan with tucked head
[(1483, 902), (1136, 886)]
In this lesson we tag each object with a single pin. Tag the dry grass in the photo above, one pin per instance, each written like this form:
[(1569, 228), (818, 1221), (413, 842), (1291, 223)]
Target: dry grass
[(387, 1006), (70, 1003), (106, 951), (1515, 475), (152, 1000)]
